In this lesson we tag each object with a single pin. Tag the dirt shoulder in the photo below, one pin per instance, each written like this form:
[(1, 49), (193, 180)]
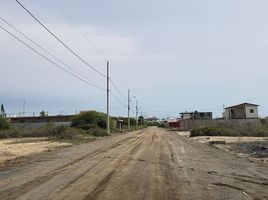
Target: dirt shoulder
[(20, 147), (253, 148), (18, 150)]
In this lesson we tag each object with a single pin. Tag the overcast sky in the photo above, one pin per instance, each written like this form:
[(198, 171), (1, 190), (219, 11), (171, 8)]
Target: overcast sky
[(174, 56)]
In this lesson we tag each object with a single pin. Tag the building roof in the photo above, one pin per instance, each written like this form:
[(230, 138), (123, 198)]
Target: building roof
[(186, 113), (151, 118), (242, 104), (196, 112), (42, 117)]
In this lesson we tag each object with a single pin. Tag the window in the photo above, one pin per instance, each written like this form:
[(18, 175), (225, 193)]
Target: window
[(251, 110)]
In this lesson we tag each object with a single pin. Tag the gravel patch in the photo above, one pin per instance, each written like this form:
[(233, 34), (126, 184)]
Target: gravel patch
[(255, 149)]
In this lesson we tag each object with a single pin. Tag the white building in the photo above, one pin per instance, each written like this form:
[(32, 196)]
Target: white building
[(241, 111)]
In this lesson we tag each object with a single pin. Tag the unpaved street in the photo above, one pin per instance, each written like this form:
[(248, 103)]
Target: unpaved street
[(150, 164)]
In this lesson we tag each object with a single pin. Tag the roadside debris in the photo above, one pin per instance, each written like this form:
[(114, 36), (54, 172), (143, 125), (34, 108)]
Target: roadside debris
[(255, 149), (217, 142)]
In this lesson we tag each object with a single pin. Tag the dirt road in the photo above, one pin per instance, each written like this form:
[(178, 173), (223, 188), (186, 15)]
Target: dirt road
[(152, 164)]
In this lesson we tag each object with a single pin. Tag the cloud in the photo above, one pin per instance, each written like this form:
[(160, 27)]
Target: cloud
[(183, 54), (27, 74)]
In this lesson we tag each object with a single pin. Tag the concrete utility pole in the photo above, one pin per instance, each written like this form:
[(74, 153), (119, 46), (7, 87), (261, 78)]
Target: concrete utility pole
[(108, 90), (23, 107), (128, 110), (137, 110)]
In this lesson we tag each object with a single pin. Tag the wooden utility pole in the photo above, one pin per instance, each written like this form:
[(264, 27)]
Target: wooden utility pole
[(128, 110), (108, 90)]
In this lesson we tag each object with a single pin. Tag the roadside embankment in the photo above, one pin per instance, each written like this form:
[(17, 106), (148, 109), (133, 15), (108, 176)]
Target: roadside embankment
[(254, 148)]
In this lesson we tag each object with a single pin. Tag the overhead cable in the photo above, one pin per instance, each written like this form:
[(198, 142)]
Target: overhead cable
[(46, 58), (59, 40), (56, 58)]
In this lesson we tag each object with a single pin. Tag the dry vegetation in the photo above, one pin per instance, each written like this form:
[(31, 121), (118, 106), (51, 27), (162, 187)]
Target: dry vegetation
[(237, 131)]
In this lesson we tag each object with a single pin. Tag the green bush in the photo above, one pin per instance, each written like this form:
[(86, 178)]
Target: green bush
[(125, 121), (92, 119), (3, 123), (102, 123), (161, 125), (98, 132), (153, 124), (88, 126)]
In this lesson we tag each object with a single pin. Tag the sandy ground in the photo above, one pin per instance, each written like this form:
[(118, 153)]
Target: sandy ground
[(206, 139), (149, 164), (231, 143), (14, 148)]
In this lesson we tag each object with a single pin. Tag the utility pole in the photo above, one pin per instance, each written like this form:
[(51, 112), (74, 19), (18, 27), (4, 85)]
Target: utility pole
[(137, 114), (142, 117), (23, 107), (108, 90), (128, 110)]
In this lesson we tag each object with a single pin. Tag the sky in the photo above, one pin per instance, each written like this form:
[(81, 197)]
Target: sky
[(174, 56)]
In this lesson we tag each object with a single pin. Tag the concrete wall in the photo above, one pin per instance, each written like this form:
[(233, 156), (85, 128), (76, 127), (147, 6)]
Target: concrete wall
[(186, 116), (39, 119), (238, 113), (252, 115), (38, 125), (174, 124), (189, 123)]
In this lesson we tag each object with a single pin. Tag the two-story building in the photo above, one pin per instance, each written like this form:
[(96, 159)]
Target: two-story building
[(196, 115), (241, 111)]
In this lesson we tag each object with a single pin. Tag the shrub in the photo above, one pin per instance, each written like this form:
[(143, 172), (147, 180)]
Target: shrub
[(161, 125), (102, 124), (230, 131), (87, 118), (98, 132), (91, 119), (60, 132), (88, 126), (7, 133), (63, 132), (3, 123), (153, 124)]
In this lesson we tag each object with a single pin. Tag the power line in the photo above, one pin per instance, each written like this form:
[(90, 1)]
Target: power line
[(123, 83), (117, 99), (78, 29), (90, 42), (57, 38), (45, 49), (67, 47), (117, 89), (46, 58)]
